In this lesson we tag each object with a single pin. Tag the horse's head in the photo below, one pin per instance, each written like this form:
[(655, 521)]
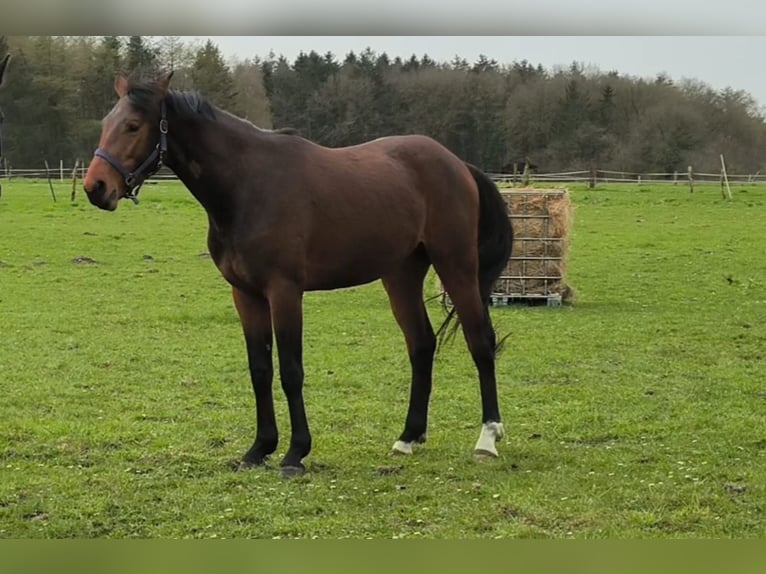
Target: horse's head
[(133, 142)]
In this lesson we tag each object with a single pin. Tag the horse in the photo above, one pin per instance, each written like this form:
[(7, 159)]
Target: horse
[(3, 68), (287, 216)]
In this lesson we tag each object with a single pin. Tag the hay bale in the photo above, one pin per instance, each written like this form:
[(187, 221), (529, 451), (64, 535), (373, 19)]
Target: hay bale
[(541, 219)]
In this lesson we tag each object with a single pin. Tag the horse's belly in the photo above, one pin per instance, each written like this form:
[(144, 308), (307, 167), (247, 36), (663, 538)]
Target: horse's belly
[(335, 269), (362, 238)]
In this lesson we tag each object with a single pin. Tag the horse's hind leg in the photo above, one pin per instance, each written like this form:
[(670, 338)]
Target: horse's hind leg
[(405, 292), (463, 289)]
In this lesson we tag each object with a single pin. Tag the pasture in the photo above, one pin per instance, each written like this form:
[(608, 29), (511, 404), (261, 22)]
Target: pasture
[(638, 411)]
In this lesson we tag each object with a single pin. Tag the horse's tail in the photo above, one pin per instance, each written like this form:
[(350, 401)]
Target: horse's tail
[(495, 233), (495, 242)]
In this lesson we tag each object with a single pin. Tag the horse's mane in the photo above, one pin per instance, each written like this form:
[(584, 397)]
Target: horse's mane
[(288, 131), (143, 95), (190, 103)]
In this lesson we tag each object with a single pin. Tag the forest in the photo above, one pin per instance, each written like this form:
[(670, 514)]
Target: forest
[(488, 112)]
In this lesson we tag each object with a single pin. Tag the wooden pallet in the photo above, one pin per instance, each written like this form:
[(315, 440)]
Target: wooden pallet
[(506, 299)]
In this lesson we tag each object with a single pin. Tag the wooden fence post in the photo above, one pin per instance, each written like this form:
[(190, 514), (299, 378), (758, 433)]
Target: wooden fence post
[(691, 179), (50, 184), (74, 179), (525, 175), (724, 179)]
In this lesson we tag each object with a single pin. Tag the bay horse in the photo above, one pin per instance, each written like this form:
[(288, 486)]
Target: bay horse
[(288, 216)]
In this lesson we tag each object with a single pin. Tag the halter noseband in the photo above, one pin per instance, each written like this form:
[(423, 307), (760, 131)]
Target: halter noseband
[(151, 165)]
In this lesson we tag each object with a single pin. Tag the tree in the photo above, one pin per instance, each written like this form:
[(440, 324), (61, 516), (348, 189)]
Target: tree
[(211, 76), (484, 64), (251, 102), (175, 54), (60, 88), (97, 82), (141, 57), (460, 64), (42, 102)]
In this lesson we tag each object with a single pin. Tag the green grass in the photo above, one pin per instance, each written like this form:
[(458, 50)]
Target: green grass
[(638, 411)]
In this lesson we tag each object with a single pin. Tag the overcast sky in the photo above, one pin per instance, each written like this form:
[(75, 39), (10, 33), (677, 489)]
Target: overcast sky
[(720, 61)]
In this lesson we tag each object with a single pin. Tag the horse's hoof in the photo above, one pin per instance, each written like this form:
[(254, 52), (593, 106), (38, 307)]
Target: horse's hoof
[(240, 465), (491, 433), (480, 454), (290, 471), (243, 464), (236, 464), (401, 447)]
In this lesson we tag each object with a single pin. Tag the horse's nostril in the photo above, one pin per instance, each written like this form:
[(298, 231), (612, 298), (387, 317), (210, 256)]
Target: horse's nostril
[(96, 187)]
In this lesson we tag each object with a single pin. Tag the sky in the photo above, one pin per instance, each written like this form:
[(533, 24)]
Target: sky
[(719, 61)]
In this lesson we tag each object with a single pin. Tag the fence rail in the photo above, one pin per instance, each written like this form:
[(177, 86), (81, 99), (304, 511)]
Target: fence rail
[(63, 172), (611, 176)]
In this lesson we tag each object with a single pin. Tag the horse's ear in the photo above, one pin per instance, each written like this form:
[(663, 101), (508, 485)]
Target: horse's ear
[(121, 84), (3, 67), (163, 83)]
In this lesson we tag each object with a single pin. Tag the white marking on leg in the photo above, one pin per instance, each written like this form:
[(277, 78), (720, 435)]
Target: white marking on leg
[(490, 433), (401, 447)]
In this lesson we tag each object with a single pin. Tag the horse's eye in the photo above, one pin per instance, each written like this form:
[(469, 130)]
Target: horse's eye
[(133, 128)]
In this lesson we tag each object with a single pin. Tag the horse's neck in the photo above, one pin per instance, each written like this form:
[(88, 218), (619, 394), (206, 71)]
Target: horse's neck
[(199, 150), (189, 147)]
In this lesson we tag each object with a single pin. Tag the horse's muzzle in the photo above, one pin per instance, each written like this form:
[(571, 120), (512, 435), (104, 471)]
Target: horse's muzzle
[(101, 198)]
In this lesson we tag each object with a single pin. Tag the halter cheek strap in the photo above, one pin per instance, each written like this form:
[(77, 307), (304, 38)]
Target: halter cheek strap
[(151, 165)]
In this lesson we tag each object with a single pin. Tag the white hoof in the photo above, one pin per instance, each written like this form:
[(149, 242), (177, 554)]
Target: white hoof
[(490, 434), (401, 447)]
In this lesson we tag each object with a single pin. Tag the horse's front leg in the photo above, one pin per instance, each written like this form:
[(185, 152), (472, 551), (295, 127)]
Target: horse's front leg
[(286, 301), (255, 316)]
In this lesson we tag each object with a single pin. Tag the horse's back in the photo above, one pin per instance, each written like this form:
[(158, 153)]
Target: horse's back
[(405, 177), (395, 166)]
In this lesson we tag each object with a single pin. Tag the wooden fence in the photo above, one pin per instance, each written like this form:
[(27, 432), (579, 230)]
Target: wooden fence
[(594, 177), (64, 172)]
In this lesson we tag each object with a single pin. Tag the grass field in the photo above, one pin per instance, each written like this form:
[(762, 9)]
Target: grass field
[(638, 411)]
